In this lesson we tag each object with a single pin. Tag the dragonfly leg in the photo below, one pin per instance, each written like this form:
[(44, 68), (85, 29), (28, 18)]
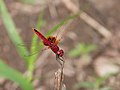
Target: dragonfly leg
[(59, 60)]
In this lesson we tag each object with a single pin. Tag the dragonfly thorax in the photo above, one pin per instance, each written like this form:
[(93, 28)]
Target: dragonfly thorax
[(51, 40)]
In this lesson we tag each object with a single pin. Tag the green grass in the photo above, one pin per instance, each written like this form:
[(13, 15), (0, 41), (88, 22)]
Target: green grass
[(15, 76), (11, 30), (96, 85), (81, 49), (28, 1)]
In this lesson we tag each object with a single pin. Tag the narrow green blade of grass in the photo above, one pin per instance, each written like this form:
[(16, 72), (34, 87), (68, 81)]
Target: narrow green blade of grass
[(100, 81), (35, 43), (63, 22), (28, 1), (88, 85), (11, 30), (81, 49), (106, 88), (35, 48), (15, 76)]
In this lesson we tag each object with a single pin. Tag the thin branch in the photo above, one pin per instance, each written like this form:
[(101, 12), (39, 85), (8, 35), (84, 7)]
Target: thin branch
[(58, 80), (89, 20)]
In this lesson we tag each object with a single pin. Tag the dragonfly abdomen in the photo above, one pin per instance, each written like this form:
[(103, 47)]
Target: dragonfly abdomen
[(54, 48)]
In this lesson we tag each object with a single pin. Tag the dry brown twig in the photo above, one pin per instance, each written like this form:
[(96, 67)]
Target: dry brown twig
[(58, 80), (89, 20), (52, 9)]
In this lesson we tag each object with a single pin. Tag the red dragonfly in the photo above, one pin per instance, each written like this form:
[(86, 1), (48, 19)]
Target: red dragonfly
[(52, 43)]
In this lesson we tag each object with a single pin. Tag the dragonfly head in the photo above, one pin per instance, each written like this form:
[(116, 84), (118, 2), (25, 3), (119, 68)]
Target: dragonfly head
[(60, 53)]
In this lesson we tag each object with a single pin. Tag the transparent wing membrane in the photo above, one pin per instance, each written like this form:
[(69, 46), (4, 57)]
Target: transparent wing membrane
[(34, 53), (28, 45), (34, 49)]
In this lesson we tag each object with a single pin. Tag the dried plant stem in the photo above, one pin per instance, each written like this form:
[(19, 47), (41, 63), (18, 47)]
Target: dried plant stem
[(59, 77), (89, 20)]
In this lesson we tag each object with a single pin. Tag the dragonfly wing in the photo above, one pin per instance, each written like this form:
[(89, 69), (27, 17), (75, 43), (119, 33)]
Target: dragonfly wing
[(28, 44), (33, 53), (36, 49)]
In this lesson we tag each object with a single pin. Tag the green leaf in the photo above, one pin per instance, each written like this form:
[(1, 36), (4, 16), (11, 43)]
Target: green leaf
[(28, 1), (84, 85), (106, 88), (81, 49), (55, 28), (35, 48), (11, 30), (35, 45), (100, 80), (15, 76)]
